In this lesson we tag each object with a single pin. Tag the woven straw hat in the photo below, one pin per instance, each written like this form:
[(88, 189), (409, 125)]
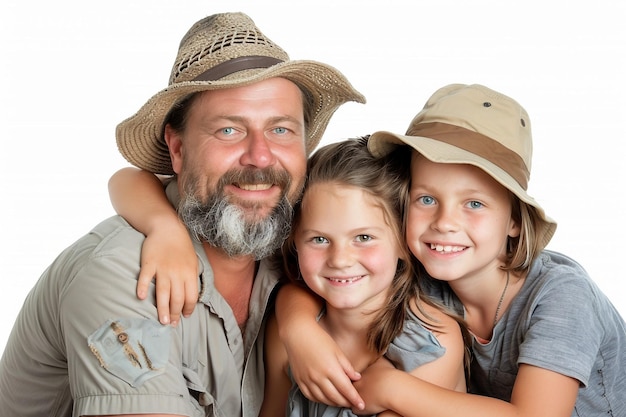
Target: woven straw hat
[(224, 51), (472, 124)]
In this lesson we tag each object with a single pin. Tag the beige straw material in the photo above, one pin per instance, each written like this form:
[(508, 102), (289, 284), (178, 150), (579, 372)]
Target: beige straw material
[(221, 51)]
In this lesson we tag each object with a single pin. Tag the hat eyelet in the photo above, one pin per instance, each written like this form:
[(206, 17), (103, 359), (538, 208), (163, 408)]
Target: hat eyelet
[(486, 104), (522, 122)]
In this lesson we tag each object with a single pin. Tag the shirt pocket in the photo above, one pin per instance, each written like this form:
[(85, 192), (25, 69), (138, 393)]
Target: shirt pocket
[(132, 349)]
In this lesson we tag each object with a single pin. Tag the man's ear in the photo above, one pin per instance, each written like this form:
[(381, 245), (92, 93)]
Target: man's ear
[(175, 146)]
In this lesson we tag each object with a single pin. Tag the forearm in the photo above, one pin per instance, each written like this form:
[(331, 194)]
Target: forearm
[(139, 197), (295, 305), (412, 397), (321, 370), (537, 392), (387, 388)]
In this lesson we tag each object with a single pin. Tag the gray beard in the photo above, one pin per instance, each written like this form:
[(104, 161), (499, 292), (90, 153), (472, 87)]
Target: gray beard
[(223, 225)]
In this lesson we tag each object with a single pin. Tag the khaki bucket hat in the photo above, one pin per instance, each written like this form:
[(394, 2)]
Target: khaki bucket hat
[(472, 124), (221, 51)]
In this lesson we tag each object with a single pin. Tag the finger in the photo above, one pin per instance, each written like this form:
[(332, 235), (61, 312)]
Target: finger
[(143, 282), (328, 393), (342, 392), (346, 388), (163, 301), (191, 297), (316, 394), (349, 394), (177, 299)]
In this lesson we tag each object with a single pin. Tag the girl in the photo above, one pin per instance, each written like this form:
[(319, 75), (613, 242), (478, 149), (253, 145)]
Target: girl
[(347, 241), (348, 246), (546, 341)]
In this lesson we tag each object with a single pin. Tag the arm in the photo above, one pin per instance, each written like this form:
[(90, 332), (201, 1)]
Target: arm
[(277, 381), (438, 387), (167, 252), (537, 393), (447, 371), (141, 415), (321, 370)]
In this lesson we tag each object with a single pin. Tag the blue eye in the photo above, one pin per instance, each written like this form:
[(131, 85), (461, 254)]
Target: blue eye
[(319, 240), (475, 204), (280, 130), (228, 130), (427, 200)]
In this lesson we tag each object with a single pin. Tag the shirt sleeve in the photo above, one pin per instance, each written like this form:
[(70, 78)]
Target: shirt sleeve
[(121, 360), (415, 346), (565, 331)]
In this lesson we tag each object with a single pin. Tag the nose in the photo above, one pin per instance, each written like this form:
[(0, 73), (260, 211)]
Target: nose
[(258, 150), (445, 220), (340, 256)]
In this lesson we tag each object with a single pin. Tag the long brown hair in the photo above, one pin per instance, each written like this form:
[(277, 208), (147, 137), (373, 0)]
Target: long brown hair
[(386, 179)]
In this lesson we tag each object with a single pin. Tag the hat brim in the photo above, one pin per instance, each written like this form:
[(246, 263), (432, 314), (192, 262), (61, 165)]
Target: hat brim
[(382, 143), (139, 138)]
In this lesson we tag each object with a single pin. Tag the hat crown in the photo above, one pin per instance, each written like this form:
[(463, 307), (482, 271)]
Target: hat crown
[(474, 125), (484, 111), (224, 51), (219, 38)]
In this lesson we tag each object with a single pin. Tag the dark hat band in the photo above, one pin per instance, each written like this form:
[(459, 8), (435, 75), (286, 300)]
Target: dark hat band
[(235, 65), (476, 143)]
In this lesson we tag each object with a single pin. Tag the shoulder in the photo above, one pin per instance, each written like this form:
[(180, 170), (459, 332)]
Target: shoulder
[(445, 328), (427, 335), (554, 263), (114, 232), (435, 318), (555, 272), (113, 240)]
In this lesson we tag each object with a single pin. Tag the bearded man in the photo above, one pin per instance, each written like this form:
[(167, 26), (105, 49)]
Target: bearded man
[(235, 125)]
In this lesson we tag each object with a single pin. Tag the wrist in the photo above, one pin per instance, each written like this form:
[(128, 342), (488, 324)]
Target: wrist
[(402, 386)]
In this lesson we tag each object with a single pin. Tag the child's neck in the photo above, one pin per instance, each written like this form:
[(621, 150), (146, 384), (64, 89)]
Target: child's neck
[(486, 301), (349, 331)]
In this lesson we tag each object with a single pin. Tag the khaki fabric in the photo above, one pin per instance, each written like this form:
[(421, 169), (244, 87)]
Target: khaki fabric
[(83, 344)]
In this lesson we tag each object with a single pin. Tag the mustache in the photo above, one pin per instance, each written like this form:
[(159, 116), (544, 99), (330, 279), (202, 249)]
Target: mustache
[(270, 175)]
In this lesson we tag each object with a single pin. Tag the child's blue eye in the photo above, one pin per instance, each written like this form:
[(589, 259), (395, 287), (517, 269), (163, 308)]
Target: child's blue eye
[(475, 204), (319, 240), (427, 200)]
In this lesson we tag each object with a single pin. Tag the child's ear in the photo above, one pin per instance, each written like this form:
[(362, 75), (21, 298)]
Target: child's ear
[(514, 228)]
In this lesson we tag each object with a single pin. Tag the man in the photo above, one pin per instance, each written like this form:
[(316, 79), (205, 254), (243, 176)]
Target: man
[(235, 124)]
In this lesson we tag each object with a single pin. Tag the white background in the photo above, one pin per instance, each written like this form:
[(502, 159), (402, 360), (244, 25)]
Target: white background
[(72, 70)]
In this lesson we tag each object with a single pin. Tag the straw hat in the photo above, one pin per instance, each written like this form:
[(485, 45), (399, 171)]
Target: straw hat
[(472, 124), (224, 51)]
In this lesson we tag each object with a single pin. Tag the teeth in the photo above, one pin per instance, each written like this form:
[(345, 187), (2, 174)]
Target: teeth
[(345, 280), (446, 248), (254, 187)]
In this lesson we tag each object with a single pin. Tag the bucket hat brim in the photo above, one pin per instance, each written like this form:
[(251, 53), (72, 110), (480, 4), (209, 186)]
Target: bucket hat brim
[(383, 142)]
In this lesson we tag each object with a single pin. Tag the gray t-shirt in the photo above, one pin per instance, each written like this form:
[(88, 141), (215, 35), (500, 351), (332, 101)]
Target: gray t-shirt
[(561, 321), (83, 344)]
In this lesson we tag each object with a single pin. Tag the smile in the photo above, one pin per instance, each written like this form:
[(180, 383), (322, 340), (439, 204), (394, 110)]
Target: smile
[(345, 280), (254, 187), (447, 248)]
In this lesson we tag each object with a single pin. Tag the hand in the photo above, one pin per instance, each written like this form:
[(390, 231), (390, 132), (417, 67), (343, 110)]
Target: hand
[(169, 256), (322, 371)]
